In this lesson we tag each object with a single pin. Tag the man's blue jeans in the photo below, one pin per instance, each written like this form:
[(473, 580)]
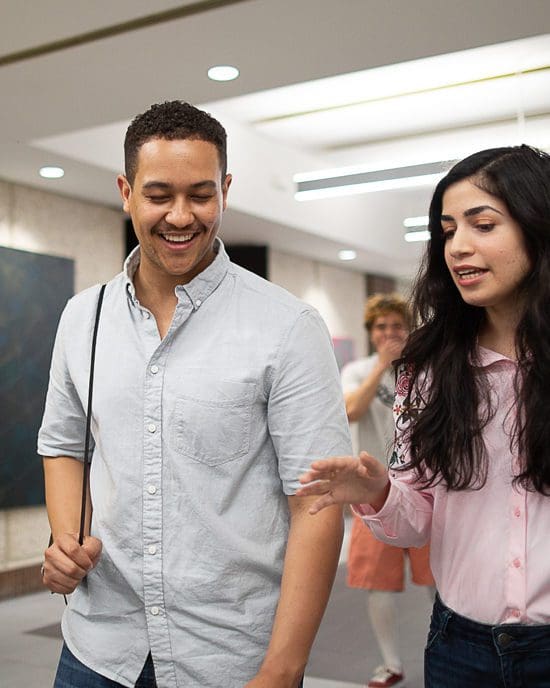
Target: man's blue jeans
[(71, 673), (462, 653)]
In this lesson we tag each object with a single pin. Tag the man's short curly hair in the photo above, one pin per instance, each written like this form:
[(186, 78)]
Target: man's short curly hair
[(384, 304), (172, 120)]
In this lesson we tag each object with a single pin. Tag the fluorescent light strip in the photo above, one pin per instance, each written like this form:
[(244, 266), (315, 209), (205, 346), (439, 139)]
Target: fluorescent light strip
[(322, 185), (367, 187), (420, 221), (418, 235)]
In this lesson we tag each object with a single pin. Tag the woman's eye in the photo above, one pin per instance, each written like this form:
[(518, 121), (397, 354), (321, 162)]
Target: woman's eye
[(448, 234), (485, 226), (158, 199)]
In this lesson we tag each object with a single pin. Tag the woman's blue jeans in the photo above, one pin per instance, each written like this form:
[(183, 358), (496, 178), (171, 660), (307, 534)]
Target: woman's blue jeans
[(461, 653)]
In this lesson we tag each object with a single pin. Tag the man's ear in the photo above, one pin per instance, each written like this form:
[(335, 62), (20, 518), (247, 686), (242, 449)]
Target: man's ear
[(125, 191), (225, 187)]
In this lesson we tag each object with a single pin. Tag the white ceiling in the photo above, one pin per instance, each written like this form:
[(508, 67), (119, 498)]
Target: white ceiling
[(392, 83)]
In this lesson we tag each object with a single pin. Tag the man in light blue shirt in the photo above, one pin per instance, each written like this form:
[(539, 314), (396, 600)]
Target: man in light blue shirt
[(214, 390)]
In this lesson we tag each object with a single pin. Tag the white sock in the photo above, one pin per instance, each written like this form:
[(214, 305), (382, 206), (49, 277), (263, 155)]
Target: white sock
[(383, 617)]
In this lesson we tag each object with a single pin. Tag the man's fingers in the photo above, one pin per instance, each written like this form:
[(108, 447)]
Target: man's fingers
[(93, 547), (57, 561), (68, 546), (58, 582)]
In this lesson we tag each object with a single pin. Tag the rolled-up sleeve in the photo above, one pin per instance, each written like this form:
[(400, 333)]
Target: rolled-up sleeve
[(306, 414), (405, 520), (64, 422)]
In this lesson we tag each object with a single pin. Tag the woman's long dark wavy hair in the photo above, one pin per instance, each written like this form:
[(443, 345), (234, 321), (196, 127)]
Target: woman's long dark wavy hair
[(446, 435)]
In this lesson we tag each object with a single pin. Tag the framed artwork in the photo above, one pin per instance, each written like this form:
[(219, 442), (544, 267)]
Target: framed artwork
[(34, 289)]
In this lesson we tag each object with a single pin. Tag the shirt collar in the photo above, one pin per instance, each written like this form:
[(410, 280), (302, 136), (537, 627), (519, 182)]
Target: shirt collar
[(487, 357), (199, 289)]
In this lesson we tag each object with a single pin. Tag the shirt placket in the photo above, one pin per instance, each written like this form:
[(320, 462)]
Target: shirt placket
[(153, 594), (153, 505), (515, 578)]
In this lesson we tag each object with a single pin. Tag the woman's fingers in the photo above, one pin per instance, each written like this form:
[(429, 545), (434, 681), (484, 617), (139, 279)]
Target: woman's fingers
[(329, 469), (314, 487), (321, 503)]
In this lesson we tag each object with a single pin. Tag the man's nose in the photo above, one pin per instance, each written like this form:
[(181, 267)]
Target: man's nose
[(180, 213)]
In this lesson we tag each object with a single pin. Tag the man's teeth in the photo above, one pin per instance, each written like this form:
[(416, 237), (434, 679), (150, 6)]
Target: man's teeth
[(177, 238)]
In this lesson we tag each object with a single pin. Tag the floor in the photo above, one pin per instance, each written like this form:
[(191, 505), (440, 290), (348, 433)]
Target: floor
[(344, 654)]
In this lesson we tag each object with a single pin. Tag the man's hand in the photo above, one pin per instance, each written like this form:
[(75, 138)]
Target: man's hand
[(346, 480), (390, 350), (66, 562)]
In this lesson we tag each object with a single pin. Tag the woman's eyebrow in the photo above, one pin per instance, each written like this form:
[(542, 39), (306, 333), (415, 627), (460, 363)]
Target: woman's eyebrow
[(472, 211)]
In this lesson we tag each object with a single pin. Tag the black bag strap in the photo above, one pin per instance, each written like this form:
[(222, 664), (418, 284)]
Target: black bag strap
[(87, 460)]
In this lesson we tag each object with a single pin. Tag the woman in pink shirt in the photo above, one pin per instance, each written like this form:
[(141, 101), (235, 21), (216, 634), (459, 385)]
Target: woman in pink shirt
[(471, 462)]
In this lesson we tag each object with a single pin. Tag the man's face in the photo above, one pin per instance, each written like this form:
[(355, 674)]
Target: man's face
[(176, 204), (390, 327)]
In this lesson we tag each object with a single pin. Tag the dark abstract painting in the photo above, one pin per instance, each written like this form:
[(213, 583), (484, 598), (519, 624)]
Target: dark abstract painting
[(34, 288)]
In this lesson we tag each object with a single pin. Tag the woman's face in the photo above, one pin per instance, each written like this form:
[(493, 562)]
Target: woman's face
[(484, 248)]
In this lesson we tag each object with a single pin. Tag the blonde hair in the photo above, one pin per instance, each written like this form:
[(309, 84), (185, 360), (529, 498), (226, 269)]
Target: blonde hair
[(383, 304)]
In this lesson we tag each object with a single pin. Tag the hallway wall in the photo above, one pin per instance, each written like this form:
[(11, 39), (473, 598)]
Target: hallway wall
[(90, 234)]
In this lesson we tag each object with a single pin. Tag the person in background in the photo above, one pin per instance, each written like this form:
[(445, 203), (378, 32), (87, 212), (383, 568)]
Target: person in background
[(369, 387), (213, 389), (471, 464)]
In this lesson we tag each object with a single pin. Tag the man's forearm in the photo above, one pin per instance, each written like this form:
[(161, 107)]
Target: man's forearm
[(310, 565), (63, 484)]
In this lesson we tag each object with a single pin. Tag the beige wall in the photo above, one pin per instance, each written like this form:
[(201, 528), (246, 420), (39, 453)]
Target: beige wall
[(93, 236), (337, 293)]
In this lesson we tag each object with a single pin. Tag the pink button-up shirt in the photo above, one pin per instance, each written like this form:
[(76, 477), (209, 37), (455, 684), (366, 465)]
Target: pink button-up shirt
[(490, 549)]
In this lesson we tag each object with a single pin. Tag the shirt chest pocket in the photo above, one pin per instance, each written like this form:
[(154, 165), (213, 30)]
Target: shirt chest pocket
[(211, 422)]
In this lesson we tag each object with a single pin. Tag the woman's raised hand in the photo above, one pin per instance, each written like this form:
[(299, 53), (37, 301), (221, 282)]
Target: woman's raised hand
[(346, 480)]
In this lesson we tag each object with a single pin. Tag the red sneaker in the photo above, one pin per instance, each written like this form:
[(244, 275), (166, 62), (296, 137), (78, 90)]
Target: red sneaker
[(384, 678)]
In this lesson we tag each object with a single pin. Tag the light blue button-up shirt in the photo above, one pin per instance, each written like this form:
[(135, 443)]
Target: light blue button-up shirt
[(198, 438)]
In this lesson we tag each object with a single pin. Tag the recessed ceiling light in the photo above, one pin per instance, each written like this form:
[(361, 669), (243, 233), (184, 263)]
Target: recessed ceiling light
[(223, 73), (418, 235), (51, 172), (347, 254)]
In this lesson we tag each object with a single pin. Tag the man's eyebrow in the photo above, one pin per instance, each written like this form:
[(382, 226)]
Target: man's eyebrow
[(154, 184), (471, 211), (207, 182)]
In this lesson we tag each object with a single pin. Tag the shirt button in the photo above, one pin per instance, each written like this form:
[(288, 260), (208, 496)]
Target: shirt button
[(151, 489), (152, 549), (154, 369), (152, 427), (516, 613), (155, 611), (198, 303), (516, 563), (517, 512), (146, 314)]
